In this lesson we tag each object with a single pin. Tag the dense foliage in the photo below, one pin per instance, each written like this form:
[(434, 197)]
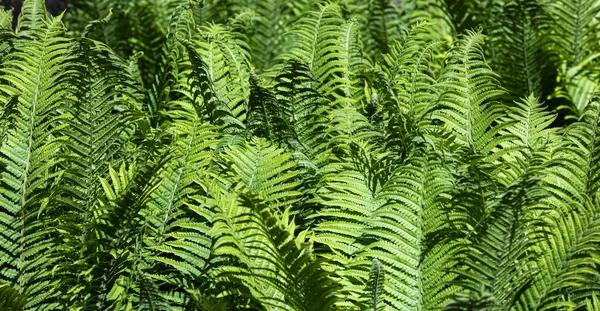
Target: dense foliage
[(300, 155)]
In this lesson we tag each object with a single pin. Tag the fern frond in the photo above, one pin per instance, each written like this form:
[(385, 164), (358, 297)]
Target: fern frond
[(402, 236), (267, 171), (30, 156), (405, 91), (266, 117), (167, 74), (382, 26), (573, 38), (6, 18), (331, 48), (221, 74), (468, 89), (266, 35), (101, 97), (573, 187), (33, 15), (276, 266), (503, 245), (532, 136), (177, 245), (573, 28), (522, 30)]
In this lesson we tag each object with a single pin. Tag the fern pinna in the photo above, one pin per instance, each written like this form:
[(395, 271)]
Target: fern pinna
[(300, 155)]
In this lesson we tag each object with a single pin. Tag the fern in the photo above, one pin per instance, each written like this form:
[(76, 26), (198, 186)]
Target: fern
[(404, 236), (304, 155), (573, 27), (522, 28), (29, 156), (574, 197), (468, 89)]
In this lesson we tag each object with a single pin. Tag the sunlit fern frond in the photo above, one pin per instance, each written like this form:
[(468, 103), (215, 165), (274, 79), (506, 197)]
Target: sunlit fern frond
[(401, 235), (532, 135), (328, 45), (468, 93), (101, 99), (569, 273), (32, 17), (35, 75), (258, 251), (6, 18), (226, 61), (176, 244)]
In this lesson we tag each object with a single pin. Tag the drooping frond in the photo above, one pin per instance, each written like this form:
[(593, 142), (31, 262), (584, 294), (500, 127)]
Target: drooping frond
[(275, 266)]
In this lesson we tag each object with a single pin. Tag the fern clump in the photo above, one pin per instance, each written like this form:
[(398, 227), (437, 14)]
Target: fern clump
[(300, 155)]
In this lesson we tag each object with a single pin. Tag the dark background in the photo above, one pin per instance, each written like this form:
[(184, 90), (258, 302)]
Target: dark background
[(54, 7)]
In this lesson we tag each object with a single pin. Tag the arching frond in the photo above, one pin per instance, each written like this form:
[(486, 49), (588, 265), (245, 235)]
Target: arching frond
[(225, 59), (504, 238)]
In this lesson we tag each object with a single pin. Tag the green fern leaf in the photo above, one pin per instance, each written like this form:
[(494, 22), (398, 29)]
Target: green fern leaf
[(30, 156)]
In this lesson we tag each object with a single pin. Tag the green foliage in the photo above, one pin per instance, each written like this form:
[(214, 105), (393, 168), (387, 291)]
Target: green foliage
[(300, 155)]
